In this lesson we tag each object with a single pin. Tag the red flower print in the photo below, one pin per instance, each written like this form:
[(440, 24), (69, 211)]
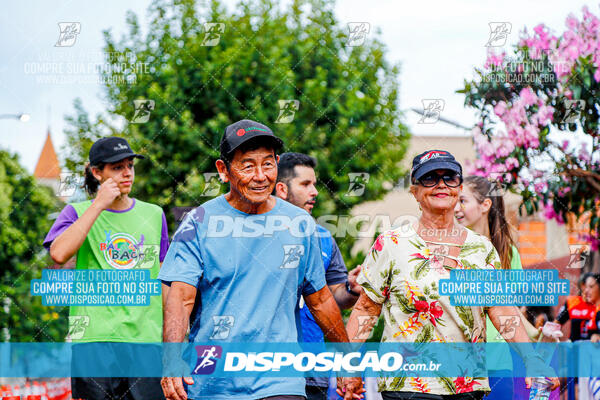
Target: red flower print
[(422, 306), (378, 245), (435, 310), (419, 255), (386, 292), (464, 385)]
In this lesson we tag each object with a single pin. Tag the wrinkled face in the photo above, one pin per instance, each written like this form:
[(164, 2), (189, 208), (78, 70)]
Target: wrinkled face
[(438, 198), (591, 293), (468, 210), (252, 174), (301, 189), (122, 172)]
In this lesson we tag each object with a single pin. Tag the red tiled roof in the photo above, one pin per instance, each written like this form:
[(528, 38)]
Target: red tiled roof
[(47, 165)]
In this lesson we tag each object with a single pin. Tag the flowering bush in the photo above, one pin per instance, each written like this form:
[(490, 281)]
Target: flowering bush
[(538, 112)]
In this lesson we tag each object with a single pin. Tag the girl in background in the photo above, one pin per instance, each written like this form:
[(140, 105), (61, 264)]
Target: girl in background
[(481, 209)]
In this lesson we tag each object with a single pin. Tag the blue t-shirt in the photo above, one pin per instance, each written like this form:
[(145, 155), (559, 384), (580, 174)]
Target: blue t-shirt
[(335, 273), (250, 271)]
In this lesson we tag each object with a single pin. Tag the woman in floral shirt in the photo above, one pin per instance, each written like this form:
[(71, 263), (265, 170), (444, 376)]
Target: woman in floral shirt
[(401, 275)]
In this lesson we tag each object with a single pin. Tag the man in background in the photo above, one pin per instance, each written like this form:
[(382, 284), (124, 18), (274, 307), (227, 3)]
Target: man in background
[(296, 182)]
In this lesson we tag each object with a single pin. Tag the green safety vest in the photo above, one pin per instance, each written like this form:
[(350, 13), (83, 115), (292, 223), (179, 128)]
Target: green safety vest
[(120, 240)]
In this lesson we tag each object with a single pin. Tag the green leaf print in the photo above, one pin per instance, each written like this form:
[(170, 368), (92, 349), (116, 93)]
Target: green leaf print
[(367, 286), (447, 382), (426, 335), (404, 304), (466, 315), (418, 246), (397, 383), (470, 265), (431, 293), (471, 248), (420, 269), (490, 257), (388, 305)]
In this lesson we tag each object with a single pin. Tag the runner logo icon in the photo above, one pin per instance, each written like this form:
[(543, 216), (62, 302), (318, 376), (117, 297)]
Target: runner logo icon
[(207, 359)]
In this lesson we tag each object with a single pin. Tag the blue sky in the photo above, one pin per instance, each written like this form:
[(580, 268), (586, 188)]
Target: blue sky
[(438, 43)]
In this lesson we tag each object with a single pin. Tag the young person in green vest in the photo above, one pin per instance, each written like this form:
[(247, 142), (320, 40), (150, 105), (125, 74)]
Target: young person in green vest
[(113, 231)]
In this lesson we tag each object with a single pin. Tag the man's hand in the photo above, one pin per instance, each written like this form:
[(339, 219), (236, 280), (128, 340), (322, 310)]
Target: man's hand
[(350, 388), (173, 387), (352, 275), (107, 193), (555, 383)]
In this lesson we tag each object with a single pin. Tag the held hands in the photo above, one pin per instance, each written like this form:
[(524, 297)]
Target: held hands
[(173, 387), (555, 383), (352, 275), (107, 193), (350, 388)]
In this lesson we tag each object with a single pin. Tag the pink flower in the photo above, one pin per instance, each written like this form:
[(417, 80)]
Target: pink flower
[(572, 22), (500, 108), (563, 191), (511, 163), (494, 59), (544, 115), (550, 214), (540, 187), (584, 155), (378, 245), (527, 96)]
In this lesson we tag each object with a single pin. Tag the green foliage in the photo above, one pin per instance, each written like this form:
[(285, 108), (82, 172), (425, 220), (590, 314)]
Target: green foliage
[(348, 117), (24, 209)]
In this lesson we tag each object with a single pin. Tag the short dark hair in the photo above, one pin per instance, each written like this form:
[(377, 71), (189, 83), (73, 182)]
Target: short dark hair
[(287, 163), (261, 141)]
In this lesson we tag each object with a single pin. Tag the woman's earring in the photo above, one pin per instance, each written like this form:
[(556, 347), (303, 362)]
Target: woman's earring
[(420, 209)]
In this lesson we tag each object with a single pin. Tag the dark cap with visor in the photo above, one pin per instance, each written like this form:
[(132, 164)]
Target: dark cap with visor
[(243, 131), (110, 150), (432, 160)]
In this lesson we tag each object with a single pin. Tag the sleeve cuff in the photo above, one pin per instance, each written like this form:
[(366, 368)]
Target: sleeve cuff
[(170, 279), (337, 281), (310, 289)]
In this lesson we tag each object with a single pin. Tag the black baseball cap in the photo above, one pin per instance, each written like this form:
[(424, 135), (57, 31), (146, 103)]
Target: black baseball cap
[(111, 149), (431, 160), (242, 131)]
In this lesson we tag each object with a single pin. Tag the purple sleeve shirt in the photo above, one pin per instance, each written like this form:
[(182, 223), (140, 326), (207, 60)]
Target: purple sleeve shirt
[(68, 215)]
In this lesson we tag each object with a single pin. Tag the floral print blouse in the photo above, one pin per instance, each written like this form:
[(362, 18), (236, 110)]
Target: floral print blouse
[(402, 272)]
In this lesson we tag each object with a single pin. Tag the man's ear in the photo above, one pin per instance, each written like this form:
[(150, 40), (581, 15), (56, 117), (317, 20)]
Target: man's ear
[(222, 169), (281, 190)]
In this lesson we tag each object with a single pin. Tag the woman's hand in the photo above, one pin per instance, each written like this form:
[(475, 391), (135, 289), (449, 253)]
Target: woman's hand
[(350, 388), (554, 380)]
